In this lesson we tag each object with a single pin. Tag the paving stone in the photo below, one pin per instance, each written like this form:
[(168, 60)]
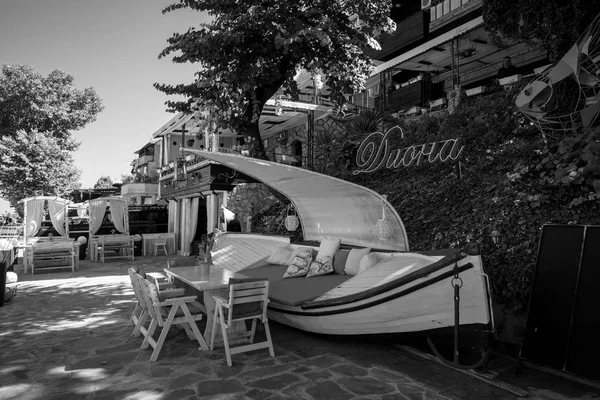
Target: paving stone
[(277, 382), (110, 362), (222, 370), (321, 361), (115, 349), (349, 370), (17, 358), (186, 380), (389, 375), (264, 372), (160, 371), (219, 387), (257, 394), (328, 390), (318, 375), (366, 385), (179, 394), (301, 370)]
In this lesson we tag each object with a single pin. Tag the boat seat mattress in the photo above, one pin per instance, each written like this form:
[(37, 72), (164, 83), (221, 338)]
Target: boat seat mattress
[(294, 291)]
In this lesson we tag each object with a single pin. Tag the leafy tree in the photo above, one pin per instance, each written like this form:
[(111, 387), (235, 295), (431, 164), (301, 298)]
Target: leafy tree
[(252, 49), (53, 105), (554, 25), (104, 182), (33, 164)]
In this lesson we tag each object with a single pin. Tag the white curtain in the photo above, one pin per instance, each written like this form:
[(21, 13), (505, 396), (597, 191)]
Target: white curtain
[(57, 215), (97, 209), (190, 223), (33, 222), (172, 215), (117, 210), (81, 210)]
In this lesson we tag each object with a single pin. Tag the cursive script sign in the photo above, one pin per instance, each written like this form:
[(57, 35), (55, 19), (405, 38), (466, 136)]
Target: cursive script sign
[(374, 152)]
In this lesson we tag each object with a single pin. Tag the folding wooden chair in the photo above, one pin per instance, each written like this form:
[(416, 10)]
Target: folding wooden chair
[(139, 314), (248, 299), (167, 312)]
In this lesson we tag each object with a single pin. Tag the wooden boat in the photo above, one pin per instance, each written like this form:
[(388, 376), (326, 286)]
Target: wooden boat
[(404, 292)]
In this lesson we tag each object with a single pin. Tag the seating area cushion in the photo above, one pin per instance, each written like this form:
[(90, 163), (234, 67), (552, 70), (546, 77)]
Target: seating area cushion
[(281, 255), (299, 267), (294, 292), (353, 261), (367, 262), (339, 261), (323, 263)]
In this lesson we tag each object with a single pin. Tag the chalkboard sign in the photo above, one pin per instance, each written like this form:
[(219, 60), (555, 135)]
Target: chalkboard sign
[(563, 324)]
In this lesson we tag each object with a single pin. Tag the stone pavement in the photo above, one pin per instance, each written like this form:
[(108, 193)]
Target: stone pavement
[(66, 336)]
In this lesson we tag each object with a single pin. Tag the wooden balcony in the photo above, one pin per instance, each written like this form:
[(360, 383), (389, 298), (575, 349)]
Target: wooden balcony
[(408, 31), (414, 94), (199, 175), (444, 12)]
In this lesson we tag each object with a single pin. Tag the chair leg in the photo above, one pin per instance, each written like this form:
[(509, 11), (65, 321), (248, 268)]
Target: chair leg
[(134, 317), (214, 328), (163, 333), (268, 333), (225, 340), (253, 330), (141, 321), (192, 324), (149, 334)]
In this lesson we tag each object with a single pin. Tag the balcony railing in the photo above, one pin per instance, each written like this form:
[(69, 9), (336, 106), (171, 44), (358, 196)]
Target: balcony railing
[(415, 93), (408, 31), (443, 12), (145, 159)]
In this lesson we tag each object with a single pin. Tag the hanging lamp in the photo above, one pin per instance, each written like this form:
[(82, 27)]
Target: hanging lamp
[(291, 220), (383, 229)]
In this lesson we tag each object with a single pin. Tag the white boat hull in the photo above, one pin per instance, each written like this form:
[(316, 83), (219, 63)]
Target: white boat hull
[(378, 301)]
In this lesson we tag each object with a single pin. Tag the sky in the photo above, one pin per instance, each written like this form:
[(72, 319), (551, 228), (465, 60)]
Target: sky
[(112, 46)]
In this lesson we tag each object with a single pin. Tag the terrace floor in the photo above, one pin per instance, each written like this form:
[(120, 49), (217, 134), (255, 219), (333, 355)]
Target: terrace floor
[(66, 336)]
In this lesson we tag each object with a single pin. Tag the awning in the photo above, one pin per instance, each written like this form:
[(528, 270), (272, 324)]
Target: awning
[(446, 37), (327, 206)]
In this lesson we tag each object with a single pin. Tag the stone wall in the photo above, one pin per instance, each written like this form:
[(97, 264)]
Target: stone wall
[(249, 199)]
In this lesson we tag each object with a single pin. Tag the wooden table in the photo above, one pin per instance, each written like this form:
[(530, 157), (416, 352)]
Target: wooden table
[(215, 282)]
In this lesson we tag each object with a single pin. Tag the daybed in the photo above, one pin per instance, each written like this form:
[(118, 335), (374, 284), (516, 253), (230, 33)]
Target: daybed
[(390, 291)]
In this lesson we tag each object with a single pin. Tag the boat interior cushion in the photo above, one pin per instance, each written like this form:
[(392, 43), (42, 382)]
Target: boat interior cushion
[(295, 252), (300, 265), (280, 255), (367, 262), (295, 291), (323, 263), (353, 261), (339, 261)]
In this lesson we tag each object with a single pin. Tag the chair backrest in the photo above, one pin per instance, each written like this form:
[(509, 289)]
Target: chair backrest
[(182, 262), (160, 241), (137, 290), (151, 299), (247, 298)]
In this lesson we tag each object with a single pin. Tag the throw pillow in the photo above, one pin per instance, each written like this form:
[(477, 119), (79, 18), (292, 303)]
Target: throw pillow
[(353, 261), (323, 263), (280, 256), (295, 252), (367, 262), (300, 265), (339, 261)]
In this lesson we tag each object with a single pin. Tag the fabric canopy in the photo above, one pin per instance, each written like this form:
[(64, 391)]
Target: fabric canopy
[(327, 206)]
